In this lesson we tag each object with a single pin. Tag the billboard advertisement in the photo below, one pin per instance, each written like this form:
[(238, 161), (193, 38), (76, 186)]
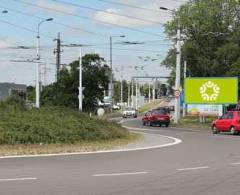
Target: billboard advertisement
[(204, 110), (211, 90)]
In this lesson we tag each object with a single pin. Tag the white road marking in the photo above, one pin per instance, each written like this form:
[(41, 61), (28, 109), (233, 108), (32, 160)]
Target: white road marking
[(175, 142), (18, 179), (236, 163), (193, 168), (119, 174)]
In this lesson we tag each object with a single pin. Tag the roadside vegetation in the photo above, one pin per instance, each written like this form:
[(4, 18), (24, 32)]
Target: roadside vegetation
[(149, 106), (53, 125), (193, 122)]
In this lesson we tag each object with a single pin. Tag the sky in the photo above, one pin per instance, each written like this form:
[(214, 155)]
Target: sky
[(88, 22)]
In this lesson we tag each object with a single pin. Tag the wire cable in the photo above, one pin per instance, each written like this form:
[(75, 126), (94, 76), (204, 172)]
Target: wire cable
[(108, 12), (86, 18), (58, 23)]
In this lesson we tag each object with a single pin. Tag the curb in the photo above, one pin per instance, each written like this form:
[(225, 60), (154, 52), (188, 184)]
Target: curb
[(175, 142)]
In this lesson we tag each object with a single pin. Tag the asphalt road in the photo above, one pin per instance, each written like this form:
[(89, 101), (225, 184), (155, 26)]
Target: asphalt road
[(202, 164)]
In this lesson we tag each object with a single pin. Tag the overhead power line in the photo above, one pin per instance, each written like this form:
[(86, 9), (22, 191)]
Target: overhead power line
[(129, 5), (137, 7), (58, 23), (25, 28), (86, 18), (108, 12)]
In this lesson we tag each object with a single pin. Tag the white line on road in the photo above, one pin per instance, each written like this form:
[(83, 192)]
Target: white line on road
[(119, 174), (18, 179), (236, 163), (193, 168), (175, 141)]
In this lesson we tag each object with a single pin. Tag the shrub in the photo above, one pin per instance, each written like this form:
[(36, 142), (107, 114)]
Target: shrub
[(53, 125)]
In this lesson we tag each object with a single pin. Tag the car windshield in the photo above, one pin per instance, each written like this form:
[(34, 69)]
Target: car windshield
[(129, 109), (162, 112)]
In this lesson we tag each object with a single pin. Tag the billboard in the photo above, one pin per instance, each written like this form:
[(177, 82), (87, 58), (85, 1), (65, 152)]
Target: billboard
[(205, 109), (211, 90)]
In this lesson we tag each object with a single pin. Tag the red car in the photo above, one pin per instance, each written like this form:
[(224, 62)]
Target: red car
[(229, 122), (156, 117)]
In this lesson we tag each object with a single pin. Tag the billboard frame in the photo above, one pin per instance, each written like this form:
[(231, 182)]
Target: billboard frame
[(199, 78)]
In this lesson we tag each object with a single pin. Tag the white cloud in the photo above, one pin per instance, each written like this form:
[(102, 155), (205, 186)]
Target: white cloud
[(4, 43), (157, 17)]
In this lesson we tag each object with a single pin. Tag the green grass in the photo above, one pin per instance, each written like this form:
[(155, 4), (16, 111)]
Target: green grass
[(149, 106), (34, 149), (53, 125), (193, 122)]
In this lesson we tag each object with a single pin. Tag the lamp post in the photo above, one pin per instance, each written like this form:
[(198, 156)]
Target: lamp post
[(111, 67), (178, 69), (38, 64)]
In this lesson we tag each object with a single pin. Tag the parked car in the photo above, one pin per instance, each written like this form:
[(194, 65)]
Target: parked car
[(228, 122), (156, 117), (130, 112), (116, 107)]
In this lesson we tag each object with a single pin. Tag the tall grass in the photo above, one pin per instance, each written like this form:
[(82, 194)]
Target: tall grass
[(53, 125)]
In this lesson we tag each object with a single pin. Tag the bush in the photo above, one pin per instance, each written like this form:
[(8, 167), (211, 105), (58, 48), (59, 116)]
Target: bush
[(53, 125)]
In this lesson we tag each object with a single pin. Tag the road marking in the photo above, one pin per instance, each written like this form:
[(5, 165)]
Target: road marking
[(175, 142), (193, 168), (185, 129), (18, 179), (119, 174), (236, 163)]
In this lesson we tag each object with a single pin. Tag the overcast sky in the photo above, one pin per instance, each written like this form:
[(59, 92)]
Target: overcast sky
[(84, 24)]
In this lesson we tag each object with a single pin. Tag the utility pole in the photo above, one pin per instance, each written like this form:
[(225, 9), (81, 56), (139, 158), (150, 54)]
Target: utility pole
[(58, 52), (121, 95), (153, 90), (132, 83), (37, 89), (185, 76), (111, 67), (136, 97), (80, 97), (178, 68), (149, 92), (178, 74), (129, 94)]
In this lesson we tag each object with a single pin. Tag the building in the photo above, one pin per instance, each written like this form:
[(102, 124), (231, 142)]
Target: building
[(10, 89)]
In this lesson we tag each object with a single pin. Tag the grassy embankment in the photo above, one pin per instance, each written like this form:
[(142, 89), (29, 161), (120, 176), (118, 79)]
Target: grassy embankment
[(192, 122), (149, 106), (54, 130)]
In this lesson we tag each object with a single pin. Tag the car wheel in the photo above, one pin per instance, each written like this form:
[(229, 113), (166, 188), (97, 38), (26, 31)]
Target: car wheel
[(215, 130), (144, 123), (167, 125), (160, 125), (151, 124), (233, 131)]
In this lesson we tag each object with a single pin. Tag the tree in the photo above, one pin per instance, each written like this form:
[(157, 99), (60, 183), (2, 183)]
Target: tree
[(211, 31), (65, 91), (117, 91)]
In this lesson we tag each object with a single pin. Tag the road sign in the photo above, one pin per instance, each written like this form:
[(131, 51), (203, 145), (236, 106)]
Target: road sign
[(211, 90), (177, 93)]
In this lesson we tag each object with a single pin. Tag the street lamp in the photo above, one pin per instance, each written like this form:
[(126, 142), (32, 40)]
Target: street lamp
[(38, 64), (111, 67), (178, 69)]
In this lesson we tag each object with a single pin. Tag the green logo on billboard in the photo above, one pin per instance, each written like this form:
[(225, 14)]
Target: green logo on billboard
[(222, 90), (209, 91)]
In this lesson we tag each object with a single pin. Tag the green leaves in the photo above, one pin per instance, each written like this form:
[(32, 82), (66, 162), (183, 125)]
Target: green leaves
[(212, 44), (65, 91)]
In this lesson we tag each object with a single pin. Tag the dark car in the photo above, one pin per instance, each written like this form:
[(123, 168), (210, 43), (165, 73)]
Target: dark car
[(228, 122), (156, 117)]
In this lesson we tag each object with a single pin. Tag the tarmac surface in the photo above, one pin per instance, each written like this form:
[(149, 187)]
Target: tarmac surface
[(202, 163)]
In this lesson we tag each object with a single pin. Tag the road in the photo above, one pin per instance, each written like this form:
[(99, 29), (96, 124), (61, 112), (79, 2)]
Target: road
[(202, 164)]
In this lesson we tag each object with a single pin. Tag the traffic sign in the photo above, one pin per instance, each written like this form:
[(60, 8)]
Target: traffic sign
[(177, 93)]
